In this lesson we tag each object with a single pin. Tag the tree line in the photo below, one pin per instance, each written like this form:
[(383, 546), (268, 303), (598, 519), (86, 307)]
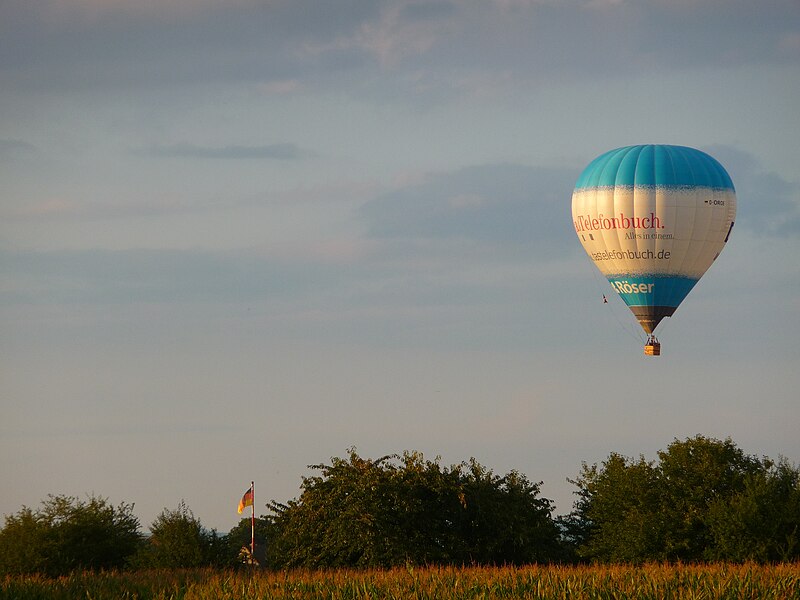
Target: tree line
[(702, 500)]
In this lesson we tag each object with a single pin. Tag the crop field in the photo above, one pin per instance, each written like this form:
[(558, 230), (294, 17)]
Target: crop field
[(656, 581)]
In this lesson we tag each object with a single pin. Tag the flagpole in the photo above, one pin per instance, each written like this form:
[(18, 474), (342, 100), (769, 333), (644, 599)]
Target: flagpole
[(253, 524)]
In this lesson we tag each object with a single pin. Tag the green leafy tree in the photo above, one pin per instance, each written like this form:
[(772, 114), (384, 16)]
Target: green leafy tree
[(694, 474), (179, 540), (762, 522), (618, 511), (337, 520), (23, 543), (68, 534), (405, 509), (503, 519), (704, 499)]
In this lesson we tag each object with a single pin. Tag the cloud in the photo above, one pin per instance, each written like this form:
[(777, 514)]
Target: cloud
[(404, 29), (94, 11), (16, 149), (767, 204), (284, 151), (156, 275), (279, 87), (312, 203), (359, 44), (504, 204), (170, 44)]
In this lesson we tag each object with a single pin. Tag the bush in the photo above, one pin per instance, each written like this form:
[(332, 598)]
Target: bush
[(68, 534), (178, 540), (397, 510)]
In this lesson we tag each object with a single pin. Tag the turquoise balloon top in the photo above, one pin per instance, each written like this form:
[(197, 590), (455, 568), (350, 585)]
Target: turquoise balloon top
[(655, 165)]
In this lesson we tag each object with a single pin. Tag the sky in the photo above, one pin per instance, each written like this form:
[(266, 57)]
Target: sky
[(240, 237)]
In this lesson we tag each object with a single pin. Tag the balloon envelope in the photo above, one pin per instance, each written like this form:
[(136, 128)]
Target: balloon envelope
[(653, 218)]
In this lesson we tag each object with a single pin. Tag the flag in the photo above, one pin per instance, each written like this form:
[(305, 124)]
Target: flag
[(247, 500)]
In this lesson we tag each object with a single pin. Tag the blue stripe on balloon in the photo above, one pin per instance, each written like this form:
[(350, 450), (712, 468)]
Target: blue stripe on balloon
[(652, 290)]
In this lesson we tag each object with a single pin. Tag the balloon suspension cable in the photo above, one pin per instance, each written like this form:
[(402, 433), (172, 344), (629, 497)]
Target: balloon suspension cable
[(633, 331)]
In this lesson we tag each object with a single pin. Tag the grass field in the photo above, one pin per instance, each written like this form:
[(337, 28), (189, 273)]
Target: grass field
[(655, 582)]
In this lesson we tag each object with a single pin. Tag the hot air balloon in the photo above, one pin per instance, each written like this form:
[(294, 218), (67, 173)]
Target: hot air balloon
[(653, 218)]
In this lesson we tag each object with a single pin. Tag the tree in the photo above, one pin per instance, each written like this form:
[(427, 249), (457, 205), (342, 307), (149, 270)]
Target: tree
[(617, 516), (694, 474), (762, 522), (344, 518), (705, 499), (405, 509), (179, 540), (503, 520), (68, 534), (22, 543)]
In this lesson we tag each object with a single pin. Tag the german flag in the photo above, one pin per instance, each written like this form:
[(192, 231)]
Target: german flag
[(247, 499)]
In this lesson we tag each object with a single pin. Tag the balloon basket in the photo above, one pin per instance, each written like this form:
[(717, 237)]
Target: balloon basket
[(652, 347)]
